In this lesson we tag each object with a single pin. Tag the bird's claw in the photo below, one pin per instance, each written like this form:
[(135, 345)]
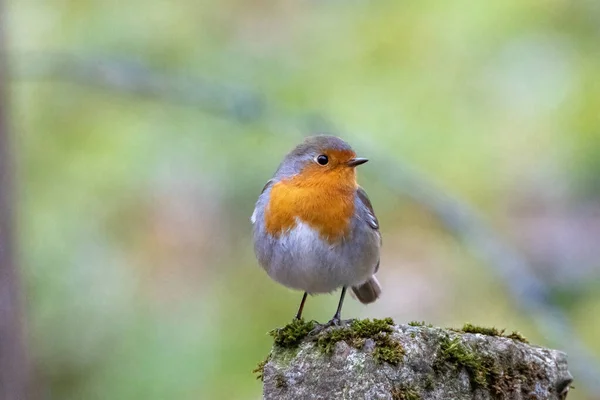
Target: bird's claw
[(320, 328), (316, 331)]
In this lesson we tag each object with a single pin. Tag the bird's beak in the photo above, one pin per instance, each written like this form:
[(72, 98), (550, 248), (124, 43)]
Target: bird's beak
[(356, 161)]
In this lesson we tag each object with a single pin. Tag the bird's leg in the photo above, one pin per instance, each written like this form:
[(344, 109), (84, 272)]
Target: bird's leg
[(338, 314), (335, 321), (299, 314)]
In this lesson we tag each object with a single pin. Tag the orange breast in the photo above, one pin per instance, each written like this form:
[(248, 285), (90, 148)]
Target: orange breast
[(324, 201)]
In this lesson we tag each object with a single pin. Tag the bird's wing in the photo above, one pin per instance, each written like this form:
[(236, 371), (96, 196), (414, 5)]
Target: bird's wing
[(371, 218), (267, 185)]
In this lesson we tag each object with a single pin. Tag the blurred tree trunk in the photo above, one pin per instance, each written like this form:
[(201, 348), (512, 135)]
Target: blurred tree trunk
[(14, 371)]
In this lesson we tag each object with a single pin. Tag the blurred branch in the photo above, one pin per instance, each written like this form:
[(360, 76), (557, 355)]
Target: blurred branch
[(529, 293), (136, 79), (14, 374)]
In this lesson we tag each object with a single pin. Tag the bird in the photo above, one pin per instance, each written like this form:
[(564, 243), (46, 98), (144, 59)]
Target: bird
[(314, 227)]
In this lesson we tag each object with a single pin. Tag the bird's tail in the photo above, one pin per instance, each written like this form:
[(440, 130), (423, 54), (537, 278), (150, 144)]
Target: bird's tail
[(367, 292)]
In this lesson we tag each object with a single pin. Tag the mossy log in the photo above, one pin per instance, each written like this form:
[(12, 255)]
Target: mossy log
[(364, 359)]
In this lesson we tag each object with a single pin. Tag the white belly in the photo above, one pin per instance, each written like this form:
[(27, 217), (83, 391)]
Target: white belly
[(302, 260)]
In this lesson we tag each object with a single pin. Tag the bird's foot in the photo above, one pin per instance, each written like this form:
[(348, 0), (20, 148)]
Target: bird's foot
[(335, 321), (316, 330)]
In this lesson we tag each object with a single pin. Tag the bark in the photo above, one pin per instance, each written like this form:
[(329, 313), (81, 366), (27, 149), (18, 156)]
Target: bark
[(14, 377), (409, 362)]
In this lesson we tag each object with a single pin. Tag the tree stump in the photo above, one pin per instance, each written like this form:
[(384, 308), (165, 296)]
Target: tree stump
[(364, 359)]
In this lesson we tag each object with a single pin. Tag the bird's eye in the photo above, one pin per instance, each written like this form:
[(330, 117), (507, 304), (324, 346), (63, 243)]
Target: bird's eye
[(322, 159)]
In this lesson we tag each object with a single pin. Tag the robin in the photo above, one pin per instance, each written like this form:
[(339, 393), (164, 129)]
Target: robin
[(314, 228)]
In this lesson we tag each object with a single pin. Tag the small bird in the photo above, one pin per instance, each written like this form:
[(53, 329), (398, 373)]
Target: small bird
[(314, 228)]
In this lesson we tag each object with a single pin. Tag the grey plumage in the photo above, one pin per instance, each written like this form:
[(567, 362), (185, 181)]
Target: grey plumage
[(368, 292)]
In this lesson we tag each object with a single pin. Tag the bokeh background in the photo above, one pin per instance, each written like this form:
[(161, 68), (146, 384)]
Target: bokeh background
[(144, 131)]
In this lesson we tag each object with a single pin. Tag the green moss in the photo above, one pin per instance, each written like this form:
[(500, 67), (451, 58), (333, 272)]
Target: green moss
[(485, 372), (420, 323), (405, 393), (453, 352), (292, 334), (367, 328), (514, 335), (259, 370), (327, 340), (356, 334), (470, 328), (392, 355), (386, 348)]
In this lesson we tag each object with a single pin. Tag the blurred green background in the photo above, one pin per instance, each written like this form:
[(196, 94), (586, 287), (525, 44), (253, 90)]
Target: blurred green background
[(133, 205)]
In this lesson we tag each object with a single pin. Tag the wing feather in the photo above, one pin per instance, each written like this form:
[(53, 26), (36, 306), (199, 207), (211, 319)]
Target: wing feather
[(372, 219), (267, 185)]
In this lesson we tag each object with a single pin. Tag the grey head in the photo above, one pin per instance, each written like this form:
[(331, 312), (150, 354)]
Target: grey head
[(312, 150)]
